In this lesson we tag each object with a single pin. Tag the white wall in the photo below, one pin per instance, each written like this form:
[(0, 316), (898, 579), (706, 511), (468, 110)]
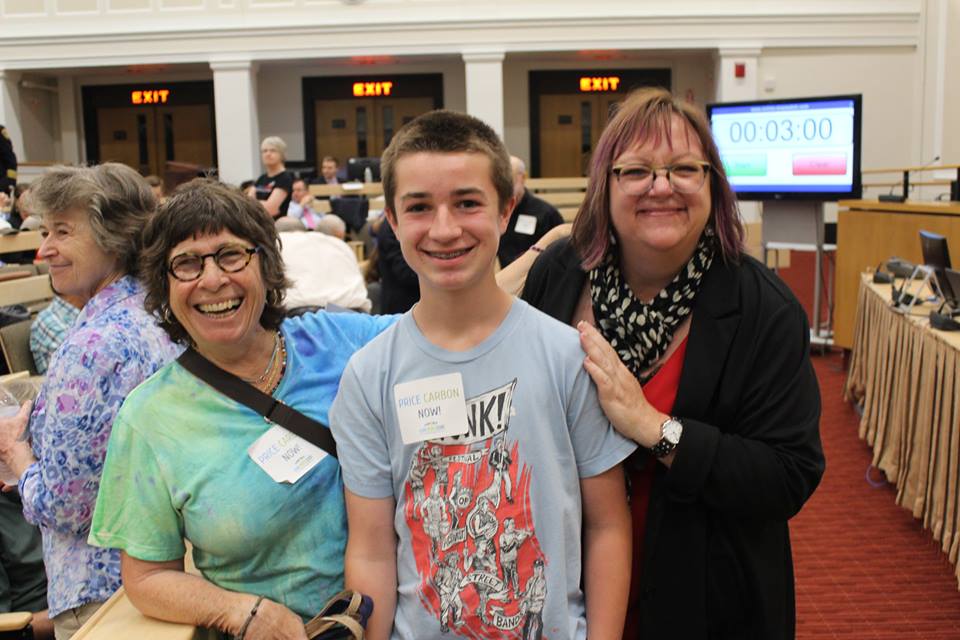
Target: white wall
[(951, 106), (39, 122), (886, 78)]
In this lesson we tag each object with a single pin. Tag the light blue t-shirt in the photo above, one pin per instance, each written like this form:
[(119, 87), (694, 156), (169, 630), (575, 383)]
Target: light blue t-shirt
[(489, 524), (177, 467)]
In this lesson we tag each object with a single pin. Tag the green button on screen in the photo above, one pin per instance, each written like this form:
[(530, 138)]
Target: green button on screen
[(753, 164)]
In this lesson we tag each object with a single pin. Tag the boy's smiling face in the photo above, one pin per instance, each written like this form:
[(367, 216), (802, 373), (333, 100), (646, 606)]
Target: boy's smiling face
[(448, 219)]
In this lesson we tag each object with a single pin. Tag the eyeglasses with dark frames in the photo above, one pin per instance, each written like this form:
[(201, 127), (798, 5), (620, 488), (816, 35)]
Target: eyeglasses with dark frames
[(230, 258), (636, 179)]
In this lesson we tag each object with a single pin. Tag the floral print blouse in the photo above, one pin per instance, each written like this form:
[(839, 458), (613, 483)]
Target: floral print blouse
[(113, 347)]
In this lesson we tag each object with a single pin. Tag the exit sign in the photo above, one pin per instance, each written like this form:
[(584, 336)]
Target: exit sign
[(372, 89), (150, 96), (599, 84)]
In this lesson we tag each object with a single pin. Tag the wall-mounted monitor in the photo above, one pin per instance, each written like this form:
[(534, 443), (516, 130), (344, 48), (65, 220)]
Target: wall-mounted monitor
[(792, 149)]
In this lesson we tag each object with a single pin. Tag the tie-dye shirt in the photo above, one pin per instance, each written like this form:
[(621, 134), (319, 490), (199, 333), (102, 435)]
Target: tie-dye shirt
[(177, 467), (113, 346)]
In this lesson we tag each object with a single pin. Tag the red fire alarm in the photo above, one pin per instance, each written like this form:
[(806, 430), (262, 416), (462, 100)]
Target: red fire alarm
[(739, 70)]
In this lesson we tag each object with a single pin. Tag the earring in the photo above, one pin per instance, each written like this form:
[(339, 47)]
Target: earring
[(166, 314)]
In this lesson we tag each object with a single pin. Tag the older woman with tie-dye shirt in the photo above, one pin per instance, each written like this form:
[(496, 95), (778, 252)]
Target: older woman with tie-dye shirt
[(92, 218)]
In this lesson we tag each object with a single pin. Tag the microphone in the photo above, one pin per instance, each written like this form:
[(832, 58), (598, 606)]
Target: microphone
[(891, 197)]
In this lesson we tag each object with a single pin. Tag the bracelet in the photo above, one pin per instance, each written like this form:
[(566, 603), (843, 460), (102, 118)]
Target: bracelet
[(535, 249), (246, 624)]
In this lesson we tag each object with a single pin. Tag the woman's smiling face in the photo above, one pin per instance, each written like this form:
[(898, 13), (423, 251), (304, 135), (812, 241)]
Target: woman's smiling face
[(661, 222), (218, 309)]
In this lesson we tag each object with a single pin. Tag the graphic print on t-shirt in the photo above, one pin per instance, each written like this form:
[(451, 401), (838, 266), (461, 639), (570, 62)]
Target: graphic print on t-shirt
[(467, 505)]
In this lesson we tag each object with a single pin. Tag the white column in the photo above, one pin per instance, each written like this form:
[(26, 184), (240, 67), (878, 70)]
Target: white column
[(730, 88), (238, 129), (10, 110), (484, 77), (69, 127)]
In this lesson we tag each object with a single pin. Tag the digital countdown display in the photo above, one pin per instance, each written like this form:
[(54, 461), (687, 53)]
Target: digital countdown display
[(789, 147)]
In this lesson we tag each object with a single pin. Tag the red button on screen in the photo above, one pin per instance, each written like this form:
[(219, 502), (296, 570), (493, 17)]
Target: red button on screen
[(819, 165)]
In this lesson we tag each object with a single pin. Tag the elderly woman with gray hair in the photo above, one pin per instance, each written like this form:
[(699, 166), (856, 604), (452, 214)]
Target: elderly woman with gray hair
[(92, 220), (274, 187)]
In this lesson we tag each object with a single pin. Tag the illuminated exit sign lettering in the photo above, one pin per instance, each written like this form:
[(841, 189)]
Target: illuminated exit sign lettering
[(152, 96), (367, 89), (590, 84)]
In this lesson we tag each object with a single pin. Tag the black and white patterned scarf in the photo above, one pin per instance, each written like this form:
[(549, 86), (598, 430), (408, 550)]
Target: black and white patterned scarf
[(640, 333)]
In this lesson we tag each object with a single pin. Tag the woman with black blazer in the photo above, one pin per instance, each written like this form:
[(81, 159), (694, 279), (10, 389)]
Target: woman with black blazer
[(701, 355)]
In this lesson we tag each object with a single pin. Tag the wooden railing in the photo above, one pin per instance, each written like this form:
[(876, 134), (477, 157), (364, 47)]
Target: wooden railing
[(566, 194), (905, 182)]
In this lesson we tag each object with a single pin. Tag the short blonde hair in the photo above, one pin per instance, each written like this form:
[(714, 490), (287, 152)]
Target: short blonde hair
[(275, 142)]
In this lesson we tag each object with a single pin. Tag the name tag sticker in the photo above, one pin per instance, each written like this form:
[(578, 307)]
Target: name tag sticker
[(431, 408), (286, 457), (525, 224)]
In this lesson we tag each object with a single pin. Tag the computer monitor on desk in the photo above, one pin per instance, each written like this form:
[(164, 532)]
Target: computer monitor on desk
[(935, 252), (357, 169)]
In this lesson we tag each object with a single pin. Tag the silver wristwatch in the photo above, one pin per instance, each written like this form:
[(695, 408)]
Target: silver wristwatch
[(670, 432)]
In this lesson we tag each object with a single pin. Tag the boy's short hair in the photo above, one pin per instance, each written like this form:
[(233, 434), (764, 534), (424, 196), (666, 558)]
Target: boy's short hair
[(443, 131)]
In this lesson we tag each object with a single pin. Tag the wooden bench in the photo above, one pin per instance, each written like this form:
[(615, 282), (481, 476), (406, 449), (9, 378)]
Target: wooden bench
[(22, 241), (566, 194), (369, 189)]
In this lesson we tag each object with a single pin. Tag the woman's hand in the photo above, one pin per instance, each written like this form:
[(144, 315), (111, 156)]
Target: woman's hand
[(275, 622), (14, 450), (620, 394)]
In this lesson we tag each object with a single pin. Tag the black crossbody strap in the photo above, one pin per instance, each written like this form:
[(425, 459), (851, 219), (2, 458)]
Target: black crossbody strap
[(311, 430)]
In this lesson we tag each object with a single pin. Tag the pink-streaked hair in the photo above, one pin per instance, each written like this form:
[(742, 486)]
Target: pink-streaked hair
[(646, 116)]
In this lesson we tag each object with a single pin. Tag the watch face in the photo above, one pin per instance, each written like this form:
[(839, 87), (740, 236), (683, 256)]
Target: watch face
[(672, 431)]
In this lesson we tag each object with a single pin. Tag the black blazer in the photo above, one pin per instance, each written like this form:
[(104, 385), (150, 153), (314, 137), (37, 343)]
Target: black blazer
[(717, 560)]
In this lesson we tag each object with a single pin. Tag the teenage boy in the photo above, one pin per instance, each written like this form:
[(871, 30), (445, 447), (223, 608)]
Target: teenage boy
[(474, 452)]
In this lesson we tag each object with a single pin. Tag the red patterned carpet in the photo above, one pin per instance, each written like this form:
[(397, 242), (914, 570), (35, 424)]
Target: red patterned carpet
[(864, 567)]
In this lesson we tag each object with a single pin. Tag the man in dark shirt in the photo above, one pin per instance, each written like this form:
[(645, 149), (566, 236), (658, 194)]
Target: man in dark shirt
[(8, 162), (531, 218), (23, 581), (399, 284)]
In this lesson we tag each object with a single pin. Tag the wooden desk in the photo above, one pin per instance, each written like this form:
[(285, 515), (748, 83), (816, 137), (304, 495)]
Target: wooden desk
[(22, 241), (869, 232), (907, 377), (369, 189)]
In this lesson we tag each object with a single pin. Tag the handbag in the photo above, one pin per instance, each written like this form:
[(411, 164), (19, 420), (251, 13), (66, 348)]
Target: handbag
[(267, 406), (343, 617)]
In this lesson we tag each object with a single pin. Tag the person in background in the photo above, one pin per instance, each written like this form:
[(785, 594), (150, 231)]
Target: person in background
[(701, 356), (50, 328), (399, 285), (156, 186), (322, 270), (215, 279), (333, 226), (93, 219), (530, 220), (274, 188), (329, 167), (8, 165), (301, 205), (23, 582)]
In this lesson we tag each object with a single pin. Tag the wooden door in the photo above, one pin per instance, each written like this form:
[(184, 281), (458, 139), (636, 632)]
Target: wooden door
[(570, 126), (126, 134), (392, 114), (184, 134), (361, 127), (336, 126), (564, 119)]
